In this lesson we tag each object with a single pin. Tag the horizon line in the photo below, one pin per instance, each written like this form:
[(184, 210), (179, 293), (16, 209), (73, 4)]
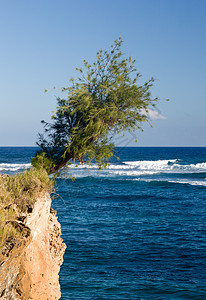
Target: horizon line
[(126, 146)]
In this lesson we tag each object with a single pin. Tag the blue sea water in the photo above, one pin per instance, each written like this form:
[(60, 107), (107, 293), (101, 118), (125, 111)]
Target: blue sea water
[(135, 230)]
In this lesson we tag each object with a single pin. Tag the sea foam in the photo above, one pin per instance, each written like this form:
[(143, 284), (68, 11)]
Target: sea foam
[(14, 167), (137, 168)]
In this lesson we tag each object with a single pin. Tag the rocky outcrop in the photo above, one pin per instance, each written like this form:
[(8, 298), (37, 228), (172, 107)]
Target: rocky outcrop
[(30, 269)]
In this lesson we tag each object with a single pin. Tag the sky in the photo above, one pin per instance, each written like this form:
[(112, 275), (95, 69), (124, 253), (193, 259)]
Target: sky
[(43, 41)]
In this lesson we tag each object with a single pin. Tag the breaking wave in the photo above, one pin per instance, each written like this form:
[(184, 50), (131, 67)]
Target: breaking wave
[(14, 167), (177, 181), (166, 165), (146, 167), (145, 170)]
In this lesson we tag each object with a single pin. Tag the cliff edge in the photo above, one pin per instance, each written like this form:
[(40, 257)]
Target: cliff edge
[(29, 268)]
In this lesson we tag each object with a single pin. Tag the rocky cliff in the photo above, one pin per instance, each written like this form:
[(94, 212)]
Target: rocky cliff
[(29, 268)]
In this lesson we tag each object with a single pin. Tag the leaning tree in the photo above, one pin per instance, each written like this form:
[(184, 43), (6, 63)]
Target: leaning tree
[(104, 100)]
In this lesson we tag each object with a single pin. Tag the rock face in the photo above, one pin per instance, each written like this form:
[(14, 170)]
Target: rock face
[(31, 269)]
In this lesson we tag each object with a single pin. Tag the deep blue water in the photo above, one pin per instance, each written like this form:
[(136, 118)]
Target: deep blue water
[(135, 230)]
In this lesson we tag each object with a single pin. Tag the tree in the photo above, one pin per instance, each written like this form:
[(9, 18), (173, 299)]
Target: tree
[(105, 99)]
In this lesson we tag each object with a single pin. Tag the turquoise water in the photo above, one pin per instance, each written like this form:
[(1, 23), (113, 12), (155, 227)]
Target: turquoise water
[(135, 230)]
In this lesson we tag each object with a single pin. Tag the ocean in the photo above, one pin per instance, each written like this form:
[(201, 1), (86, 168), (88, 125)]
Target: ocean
[(135, 230)]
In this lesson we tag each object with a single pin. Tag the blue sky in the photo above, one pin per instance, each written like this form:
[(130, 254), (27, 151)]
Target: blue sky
[(42, 42)]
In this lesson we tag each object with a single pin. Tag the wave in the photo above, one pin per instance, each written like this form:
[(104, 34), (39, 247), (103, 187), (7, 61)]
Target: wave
[(177, 181), (159, 164), (14, 167), (194, 182), (142, 164), (133, 173), (199, 165), (141, 167), (145, 170), (166, 166)]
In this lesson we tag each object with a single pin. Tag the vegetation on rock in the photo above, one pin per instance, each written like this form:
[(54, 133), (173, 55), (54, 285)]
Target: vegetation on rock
[(17, 195)]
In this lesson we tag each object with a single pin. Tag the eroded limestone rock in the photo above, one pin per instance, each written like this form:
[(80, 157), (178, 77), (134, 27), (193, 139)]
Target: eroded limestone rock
[(30, 270)]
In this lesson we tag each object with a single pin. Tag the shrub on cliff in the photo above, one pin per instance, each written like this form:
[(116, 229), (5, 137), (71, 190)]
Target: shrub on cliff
[(17, 193), (106, 99)]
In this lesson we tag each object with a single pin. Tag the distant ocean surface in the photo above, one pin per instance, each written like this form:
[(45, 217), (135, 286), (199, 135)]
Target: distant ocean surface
[(136, 230)]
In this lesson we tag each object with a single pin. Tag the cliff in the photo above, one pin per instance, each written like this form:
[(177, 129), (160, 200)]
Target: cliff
[(29, 267)]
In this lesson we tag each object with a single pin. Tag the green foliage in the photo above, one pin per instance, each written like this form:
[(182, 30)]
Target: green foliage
[(42, 162), (104, 100), (17, 193)]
